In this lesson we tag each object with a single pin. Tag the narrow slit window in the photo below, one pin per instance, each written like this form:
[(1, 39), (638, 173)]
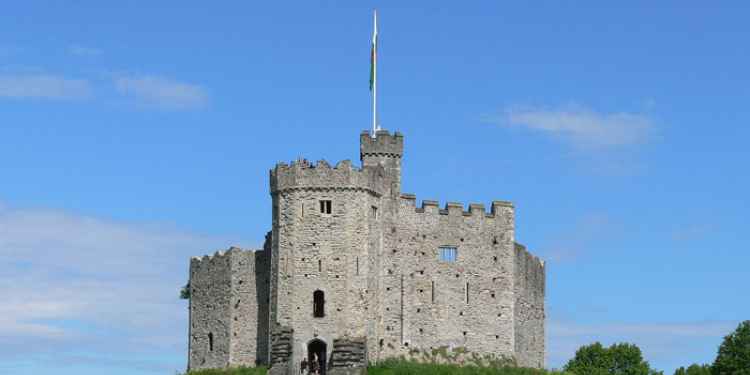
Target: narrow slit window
[(319, 304), (433, 292), (467, 293), (448, 253), (325, 207), (210, 342), (374, 212), (320, 265), (357, 265)]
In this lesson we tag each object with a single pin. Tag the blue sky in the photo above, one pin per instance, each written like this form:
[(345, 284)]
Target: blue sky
[(133, 136)]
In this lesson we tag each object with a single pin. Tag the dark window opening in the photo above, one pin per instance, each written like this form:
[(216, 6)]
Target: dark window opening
[(319, 304), (320, 265), (357, 265), (210, 341), (374, 212), (467, 292), (325, 207)]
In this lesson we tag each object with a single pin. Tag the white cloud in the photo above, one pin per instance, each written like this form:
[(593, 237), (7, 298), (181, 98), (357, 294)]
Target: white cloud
[(162, 92), (79, 50), (580, 126), (45, 86), (75, 284)]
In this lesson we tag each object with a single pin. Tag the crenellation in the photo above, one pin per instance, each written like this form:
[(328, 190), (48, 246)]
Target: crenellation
[(356, 271)]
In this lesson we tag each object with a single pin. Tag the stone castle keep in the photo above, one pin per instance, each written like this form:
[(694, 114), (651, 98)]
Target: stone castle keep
[(354, 271)]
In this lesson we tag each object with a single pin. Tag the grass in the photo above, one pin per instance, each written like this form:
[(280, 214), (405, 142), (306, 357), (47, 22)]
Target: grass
[(401, 367), (231, 371)]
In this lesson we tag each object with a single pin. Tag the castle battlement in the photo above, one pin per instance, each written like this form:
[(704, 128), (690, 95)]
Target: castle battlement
[(219, 255), (456, 208), (302, 174), (383, 144)]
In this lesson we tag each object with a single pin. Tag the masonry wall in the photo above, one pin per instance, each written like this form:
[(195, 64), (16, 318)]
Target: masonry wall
[(529, 286), (424, 301), (229, 309), (317, 251), (210, 315)]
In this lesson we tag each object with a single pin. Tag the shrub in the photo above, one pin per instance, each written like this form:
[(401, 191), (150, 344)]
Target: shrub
[(618, 359)]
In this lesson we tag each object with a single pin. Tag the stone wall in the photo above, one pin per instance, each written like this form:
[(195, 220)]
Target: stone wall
[(317, 251), (529, 278), (229, 298), (210, 316), (427, 303)]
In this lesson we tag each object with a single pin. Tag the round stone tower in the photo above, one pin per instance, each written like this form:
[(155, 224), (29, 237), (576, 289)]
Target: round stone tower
[(324, 232)]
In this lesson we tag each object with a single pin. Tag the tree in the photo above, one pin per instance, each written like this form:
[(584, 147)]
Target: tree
[(734, 353), (694, 369), (185, 291), (618, 359)]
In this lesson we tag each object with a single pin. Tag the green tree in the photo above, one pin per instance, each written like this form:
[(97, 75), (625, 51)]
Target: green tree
[(618, 359), (734, 353), (694, 369), (185, 291)]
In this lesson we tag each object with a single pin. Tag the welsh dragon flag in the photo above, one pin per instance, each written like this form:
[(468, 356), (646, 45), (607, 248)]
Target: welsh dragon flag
[(374, 51)]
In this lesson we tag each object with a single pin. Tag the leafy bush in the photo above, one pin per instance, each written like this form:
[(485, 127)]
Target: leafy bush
[(618, 359)]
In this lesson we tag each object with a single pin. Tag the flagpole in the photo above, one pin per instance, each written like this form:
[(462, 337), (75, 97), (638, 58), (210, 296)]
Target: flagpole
[(375, 74)]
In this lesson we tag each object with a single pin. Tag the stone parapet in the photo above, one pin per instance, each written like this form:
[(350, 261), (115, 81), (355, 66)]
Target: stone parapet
[(303, 175), (383, 144)]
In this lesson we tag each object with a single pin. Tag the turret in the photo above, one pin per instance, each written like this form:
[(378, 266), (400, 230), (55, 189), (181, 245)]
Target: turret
[(386, 150)]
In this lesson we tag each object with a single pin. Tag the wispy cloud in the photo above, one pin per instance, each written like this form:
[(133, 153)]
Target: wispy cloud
[(580, 126), (71, 279), (79, 50), (578, 237), (162, 92), (44, 86)]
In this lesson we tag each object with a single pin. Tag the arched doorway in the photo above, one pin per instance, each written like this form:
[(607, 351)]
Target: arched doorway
[(318, 348)]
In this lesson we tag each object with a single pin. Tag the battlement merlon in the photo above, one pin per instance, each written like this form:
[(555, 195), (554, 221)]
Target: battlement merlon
[(303, 175), (384, 144), (497, 209)]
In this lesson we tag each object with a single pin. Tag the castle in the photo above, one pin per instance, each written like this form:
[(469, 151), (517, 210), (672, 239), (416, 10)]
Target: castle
[(354, 271)]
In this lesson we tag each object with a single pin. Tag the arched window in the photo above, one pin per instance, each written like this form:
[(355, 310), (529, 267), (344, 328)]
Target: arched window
[(319, 304)]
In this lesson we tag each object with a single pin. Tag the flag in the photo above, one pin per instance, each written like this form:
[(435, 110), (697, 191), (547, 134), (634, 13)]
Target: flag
[(374, 51)]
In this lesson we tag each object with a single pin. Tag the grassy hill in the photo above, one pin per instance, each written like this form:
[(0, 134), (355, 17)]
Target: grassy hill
[(406, 368)]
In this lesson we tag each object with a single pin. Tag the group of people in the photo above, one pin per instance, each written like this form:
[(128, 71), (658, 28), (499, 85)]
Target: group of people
[(312, 368)]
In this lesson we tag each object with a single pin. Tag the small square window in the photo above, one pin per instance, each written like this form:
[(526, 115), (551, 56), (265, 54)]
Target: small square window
[(325, 207), (448, 253)]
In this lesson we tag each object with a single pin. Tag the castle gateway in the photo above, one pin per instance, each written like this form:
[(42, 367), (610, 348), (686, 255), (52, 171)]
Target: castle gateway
[(354, 271)]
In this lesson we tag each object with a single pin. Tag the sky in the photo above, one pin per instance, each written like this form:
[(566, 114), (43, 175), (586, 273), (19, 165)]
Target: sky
[(134, 135)]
